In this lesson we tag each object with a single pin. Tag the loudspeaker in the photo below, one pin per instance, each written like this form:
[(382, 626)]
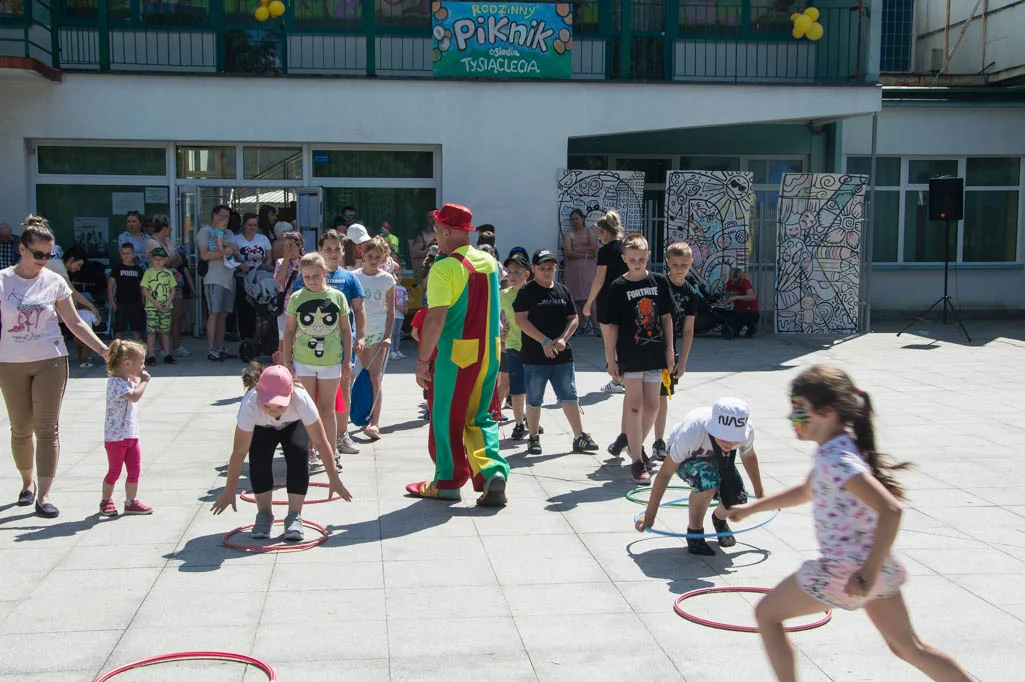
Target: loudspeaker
[(946, 199)]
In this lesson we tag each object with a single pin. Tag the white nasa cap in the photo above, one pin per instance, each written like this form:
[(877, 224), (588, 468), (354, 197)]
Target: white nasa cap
[(729, 420)]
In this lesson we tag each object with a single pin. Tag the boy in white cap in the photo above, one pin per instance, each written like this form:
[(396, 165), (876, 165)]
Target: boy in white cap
[(706, 443)]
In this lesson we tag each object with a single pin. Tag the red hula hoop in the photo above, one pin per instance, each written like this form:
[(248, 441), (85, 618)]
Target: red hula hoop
[(247, 494), (740, 628), (290, 547), (192, 655)]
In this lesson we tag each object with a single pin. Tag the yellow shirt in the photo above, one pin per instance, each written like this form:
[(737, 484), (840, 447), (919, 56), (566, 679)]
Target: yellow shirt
[(449, 277)]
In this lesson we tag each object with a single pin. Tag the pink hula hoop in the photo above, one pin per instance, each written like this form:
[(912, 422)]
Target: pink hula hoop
[(188, 656), (739, 628), (247, 494), (291, 547)]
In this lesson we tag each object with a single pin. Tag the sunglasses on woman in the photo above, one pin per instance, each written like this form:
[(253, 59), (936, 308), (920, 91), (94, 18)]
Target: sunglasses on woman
[(43, 255)]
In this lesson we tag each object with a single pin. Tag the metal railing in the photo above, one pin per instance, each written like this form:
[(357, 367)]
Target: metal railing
[(26, 30), (637, 40)]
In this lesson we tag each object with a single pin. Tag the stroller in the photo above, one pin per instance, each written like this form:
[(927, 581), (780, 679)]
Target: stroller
[(713, 315), (262, 294)]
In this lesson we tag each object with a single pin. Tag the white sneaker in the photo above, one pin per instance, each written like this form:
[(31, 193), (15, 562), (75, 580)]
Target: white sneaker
[(400, 355), (393, 356), (613, 387), (346, 445), (181, 352)]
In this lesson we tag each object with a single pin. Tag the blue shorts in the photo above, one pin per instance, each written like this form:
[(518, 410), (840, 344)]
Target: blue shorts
[(514, 368), (562, 378)]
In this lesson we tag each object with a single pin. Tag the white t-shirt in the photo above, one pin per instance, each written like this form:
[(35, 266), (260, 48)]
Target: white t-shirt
[(375, 303), (57, 265), (302, 407), (122, 421), (690, 439), (252, 253), (31, 329)]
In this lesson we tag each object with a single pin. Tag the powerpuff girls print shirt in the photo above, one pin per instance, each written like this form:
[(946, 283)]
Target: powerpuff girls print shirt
[(318, 336)]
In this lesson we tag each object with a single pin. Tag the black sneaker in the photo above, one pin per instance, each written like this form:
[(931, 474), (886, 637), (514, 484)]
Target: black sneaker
[(169, 360), (640, 473), (534, 445), (722, 527), (659, 451), (584, 443), (616, 449), (698, 545), (519, 431), (151, 361)]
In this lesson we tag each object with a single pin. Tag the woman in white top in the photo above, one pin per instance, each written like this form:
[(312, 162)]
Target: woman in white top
[(34, 360), (254, 250), (277, 412)]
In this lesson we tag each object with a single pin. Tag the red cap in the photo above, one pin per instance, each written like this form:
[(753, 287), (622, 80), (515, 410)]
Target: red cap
[(275, 386), (455, 217)]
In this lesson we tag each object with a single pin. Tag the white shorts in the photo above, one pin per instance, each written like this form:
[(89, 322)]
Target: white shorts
[(318, 371), (649, 376)]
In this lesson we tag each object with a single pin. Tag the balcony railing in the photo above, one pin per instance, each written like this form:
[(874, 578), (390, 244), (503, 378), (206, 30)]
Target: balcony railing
[(739, 41), (26, 33)]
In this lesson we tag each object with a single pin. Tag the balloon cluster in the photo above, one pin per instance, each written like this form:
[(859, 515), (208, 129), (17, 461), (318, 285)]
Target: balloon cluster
[(806, 24), (268, 9)]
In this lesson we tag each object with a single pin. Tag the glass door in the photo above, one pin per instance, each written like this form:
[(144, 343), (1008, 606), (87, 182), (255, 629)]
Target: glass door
[(309, 215), (185, 233)]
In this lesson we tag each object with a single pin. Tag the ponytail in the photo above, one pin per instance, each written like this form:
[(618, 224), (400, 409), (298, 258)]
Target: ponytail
[(881, 465)]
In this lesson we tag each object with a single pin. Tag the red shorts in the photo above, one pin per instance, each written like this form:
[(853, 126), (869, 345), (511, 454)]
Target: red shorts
[(340, 400)]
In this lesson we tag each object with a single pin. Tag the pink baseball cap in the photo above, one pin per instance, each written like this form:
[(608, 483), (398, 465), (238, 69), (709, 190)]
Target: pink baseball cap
[(275, 386)]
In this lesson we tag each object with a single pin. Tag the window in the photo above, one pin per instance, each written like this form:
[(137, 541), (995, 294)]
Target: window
[(770, 171), (59, 160), (902, 231), (581, 162), (654, 169), (704, 18), (272, 163), (11, 8), (121, 12), (345, 163), (206, 162), (710, 163), (404, 13), (92, 216)]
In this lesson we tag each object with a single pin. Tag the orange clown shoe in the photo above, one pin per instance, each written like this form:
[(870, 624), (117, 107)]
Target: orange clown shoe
[(427, 490)]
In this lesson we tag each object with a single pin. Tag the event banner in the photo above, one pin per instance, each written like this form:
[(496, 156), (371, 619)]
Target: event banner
[(502, 40)]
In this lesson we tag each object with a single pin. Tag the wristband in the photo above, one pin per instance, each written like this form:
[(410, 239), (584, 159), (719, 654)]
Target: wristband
[(423, 362), (546, 341)]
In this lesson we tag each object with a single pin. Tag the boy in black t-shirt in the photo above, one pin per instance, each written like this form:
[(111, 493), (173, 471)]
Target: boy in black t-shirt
[(547, 319), (679, 259), (640, 318), (125, 296)]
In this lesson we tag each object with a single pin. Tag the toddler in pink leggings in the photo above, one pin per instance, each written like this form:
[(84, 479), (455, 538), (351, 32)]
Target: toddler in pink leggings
[(128, 380)]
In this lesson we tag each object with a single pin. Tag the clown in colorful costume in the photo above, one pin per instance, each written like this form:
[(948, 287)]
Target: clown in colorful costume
[(462, 328)]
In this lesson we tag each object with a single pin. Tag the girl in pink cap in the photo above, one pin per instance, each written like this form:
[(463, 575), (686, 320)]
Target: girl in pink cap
[(857, 511), (275, 411)]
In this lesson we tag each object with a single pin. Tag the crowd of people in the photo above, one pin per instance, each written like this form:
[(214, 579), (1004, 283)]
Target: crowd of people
[(488, 331)]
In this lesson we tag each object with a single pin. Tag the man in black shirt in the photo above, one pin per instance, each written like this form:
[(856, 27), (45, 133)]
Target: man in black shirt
[(639, 345), (679, 259), (547, 319), (125, 296)]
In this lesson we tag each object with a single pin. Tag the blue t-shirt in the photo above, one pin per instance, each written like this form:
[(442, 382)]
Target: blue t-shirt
[(345, 282)]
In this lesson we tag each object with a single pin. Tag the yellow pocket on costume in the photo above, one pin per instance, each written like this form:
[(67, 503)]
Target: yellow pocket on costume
[(465, 352)]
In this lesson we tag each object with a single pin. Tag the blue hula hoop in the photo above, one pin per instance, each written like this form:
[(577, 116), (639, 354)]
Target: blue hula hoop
[(705, 536)]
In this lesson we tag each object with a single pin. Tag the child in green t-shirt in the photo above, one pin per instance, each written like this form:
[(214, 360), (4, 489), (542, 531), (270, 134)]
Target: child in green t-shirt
[(157, 286), (510, 378), (317, 344)]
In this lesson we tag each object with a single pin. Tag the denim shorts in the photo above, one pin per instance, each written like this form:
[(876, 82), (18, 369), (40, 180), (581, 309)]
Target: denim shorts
[(513, 366), (562, 378)]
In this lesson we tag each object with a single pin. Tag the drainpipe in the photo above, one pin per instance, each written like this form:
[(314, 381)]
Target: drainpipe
[(946, 41), (867, 242)]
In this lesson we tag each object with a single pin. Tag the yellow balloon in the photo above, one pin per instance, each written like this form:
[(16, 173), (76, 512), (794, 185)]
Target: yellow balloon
[(264, 3), (262, 14), (803, 22), (793, 17), (277, 8), (812, 13), (798, 33), (815, 32)]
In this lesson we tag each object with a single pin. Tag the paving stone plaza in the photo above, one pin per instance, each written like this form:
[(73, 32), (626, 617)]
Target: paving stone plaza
[(557, 585)]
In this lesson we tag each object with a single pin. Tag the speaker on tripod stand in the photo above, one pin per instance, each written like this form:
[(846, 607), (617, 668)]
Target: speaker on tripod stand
[(946, 203)]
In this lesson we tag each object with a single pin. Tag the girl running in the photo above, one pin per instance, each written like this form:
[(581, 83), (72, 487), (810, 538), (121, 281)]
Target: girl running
[(857, 511), (126, 384), (276, 412), (379, 300)]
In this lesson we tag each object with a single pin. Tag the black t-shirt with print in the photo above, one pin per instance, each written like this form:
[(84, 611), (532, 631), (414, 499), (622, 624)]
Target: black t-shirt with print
[(127, 278), (548, 309), (686, 304), (637, 308)]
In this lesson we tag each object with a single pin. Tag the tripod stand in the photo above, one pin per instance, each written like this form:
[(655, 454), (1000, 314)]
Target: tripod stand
[(945, 299)]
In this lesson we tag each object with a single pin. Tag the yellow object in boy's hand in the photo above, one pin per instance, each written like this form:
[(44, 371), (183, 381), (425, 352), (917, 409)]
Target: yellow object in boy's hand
[(667, 381)]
